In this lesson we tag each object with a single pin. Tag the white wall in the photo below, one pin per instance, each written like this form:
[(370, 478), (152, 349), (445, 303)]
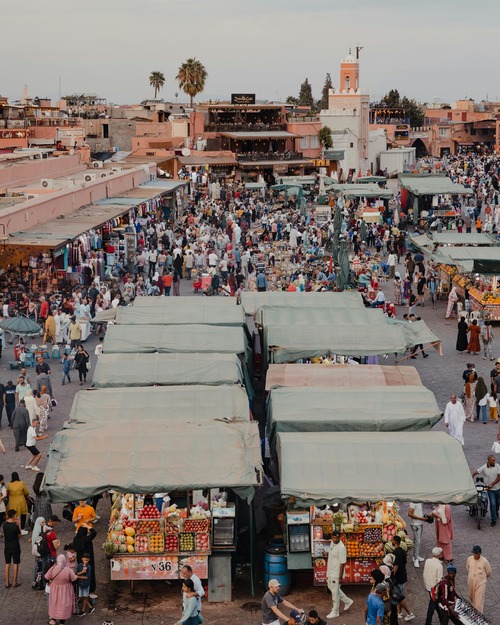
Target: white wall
[(397, 160)]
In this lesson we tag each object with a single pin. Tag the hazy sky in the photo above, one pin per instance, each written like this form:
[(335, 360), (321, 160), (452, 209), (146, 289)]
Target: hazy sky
[(445, 49)]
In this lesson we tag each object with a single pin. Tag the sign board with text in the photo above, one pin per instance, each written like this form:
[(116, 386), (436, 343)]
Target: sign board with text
[(243, 98), (137, 567)]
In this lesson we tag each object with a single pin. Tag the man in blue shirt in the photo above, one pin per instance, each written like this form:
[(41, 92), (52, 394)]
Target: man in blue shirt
[(261, 281), (374, 608)]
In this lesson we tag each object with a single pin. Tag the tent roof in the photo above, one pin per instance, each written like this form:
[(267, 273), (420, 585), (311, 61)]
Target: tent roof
[(217, 303), (358, 333), (432, 184), (361, 190), (370, 409), (291, 374), (373, 466), (255, 186), (365, 179), (157, 404), (253, 300), (465, 256), (188, 313), (112, 370), (163, 457), (426, 242), (176, 339)]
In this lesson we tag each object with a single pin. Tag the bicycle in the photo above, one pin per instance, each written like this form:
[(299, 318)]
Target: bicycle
[(479, 509)]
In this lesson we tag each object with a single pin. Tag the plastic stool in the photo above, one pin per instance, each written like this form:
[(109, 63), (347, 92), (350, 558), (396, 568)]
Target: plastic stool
[(56, 352), (29, 359)]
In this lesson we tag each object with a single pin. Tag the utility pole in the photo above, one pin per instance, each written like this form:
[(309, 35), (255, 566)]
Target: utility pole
[(358, 50)]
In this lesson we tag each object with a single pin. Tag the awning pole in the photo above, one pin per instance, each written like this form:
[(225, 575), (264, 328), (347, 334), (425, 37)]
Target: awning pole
[(252, 547)]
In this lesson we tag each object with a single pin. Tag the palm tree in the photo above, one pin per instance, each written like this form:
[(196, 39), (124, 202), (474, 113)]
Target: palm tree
[(156, 80), (192, 76)]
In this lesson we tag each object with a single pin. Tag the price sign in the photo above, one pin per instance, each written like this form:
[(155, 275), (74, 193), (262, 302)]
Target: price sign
[(145, 567), (319, 568)]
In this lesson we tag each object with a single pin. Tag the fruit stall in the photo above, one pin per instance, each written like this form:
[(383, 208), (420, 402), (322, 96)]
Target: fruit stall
[(484, 296), (150, 539)]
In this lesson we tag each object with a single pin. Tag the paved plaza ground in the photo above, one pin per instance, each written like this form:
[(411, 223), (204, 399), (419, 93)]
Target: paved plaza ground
[(159, 602)]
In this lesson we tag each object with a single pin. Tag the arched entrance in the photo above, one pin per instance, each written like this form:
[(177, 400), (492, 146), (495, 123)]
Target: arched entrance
[(421, 148)]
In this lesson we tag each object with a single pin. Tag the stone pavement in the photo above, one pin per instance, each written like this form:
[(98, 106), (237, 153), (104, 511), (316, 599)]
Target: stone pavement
[(160, 603)]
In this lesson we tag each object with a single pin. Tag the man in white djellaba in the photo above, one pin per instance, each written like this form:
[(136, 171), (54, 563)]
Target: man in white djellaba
[(454, 418)]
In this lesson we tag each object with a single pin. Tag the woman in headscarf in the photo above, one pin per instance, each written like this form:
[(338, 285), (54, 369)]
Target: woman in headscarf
[(42, 506), (386, 574), (462, 340), (474, 346), (62, 593), (470, 398), (378, 578), (444, 530), (31, 405), (398, 300), (42, 400), (37, 574), (83, 544), (452, 300), (481, 393)]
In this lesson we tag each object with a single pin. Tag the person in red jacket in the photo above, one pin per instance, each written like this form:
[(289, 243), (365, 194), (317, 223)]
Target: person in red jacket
[(44, 309)]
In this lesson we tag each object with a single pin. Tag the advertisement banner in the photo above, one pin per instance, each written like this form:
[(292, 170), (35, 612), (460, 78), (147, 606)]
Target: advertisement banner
[(144, 567)]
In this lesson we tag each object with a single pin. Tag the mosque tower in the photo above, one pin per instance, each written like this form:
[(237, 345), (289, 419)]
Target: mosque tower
[(348, 117)]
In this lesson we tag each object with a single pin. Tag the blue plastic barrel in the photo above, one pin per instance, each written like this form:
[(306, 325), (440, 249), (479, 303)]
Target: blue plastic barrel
[(275, 567)]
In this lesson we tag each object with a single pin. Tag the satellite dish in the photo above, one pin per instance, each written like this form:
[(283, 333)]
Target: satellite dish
[(186, 152)]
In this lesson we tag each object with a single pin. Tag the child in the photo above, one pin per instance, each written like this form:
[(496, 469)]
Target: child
[(83, 572), (492, 402), (98, 348), (66, 367)]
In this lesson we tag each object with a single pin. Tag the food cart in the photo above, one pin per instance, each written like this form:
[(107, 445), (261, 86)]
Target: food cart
[(323, 491)]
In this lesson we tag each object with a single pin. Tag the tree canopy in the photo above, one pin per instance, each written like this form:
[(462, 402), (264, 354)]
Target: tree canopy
[(325, 137), (323, 103), (192, 76), (414, 110), (156, 80), (305, 94)]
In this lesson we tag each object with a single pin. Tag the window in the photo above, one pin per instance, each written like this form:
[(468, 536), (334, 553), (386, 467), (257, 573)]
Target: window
[(314, 141), (444, 132), (303, 143), (351, 145), (105, 131)]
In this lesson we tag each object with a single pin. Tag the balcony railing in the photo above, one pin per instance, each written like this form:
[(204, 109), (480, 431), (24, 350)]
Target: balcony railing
[(269, 156), (62, 122), (241, 127)]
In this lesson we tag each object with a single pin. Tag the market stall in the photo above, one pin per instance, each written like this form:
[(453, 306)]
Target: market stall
[(112, 370), (296, 375), (163, 314), (150, 455), (215, 303), (370, 409), (324, 491), (251, 301)]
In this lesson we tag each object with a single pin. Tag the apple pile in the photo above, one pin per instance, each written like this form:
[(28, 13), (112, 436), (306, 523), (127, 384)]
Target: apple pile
[(141, 544), (126, 522), (202, 542), (149, 512), (171, 543), (171, 528)]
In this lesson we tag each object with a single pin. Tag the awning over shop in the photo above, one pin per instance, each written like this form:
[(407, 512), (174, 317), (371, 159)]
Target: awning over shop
[(334, 155), (251, 301), (429, 242), (153, 455), (217, 303), (360, 190), (174, 339), (259, 134), (112, 370), (58, 232), (205, 159), (318, 468), (432, 184), (368, 409), (255, 186), (295, 375), (190, 313), (227, 402), (465, 257), (365, 179)]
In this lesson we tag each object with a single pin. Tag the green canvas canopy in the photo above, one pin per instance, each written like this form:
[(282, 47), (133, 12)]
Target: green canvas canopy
[(217, 303), (158, 404), (251, 301), (113, 370), (430, 243), (465, 257), (319, 468), (372, 409), (255, 186), (189, 313), (360, 190), (175, 339), (432, 184), (365, 179), (159, 456)]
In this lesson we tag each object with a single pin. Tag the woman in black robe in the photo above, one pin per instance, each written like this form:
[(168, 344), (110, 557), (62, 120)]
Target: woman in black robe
[(462, 340)]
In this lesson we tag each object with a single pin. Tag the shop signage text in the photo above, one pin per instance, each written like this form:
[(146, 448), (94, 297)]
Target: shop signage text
[(243, 98)]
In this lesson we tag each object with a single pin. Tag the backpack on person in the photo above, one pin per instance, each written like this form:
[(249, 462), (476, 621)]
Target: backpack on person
[(40, 546)]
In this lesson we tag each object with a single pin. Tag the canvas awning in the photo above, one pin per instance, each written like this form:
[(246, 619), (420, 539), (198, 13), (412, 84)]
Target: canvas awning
[(370, 409), (428, 243), (112, 370), (251, 301), (432, 184), (319, 468), (183, 301), (153, 456), (360, 190), (158, 404), (255, 186), (175, 339), (295, 375), (465, 257), (188, 314)]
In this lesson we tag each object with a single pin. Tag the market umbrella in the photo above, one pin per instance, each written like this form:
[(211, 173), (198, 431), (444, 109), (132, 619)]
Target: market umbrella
[(342, 278), (363, 230), (20, 325)]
